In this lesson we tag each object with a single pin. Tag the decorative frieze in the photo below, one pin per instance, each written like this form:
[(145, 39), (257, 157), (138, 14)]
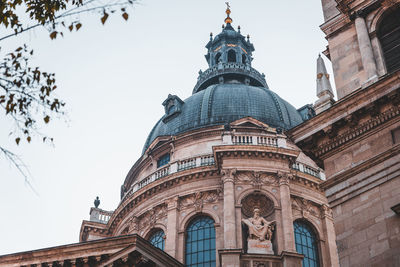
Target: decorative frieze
[(199, 199), (306, 208), (256, 178), (150, 217)]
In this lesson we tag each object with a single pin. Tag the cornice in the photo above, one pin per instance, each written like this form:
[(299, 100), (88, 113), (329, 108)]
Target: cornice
[(250, 151), (161, 185), (346, 106), (354, 134)]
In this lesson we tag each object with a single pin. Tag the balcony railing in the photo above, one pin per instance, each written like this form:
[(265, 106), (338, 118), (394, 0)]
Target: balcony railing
[(207, 160), (99, 215), (178, 166), (229, 68), (309, 170), (260, 140)]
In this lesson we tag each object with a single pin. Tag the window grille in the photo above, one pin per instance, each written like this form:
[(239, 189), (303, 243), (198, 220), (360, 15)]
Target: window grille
[(200, 243), (306, 243)]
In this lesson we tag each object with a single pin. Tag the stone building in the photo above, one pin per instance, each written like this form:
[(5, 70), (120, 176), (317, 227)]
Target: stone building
[(236, 176)]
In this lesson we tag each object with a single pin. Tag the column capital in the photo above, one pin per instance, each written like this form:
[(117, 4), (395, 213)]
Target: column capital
[(326, 211), (172, 202), (228, 175), (284, 178)]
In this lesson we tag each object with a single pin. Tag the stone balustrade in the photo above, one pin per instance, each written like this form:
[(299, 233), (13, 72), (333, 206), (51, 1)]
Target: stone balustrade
[(309, 170), (229, 67), (258, 140), (99, 215), (177, 166), (206, 160)]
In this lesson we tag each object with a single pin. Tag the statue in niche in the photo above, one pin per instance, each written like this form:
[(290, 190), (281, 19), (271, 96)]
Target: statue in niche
[(260, 234), (259, 228)]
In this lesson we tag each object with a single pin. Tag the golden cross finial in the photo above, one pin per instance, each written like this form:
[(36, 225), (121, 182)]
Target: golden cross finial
[(228, 19)]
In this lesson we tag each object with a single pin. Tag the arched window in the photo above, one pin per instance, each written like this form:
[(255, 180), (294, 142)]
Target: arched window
[(389, 36), (200, 242), (231, 56), (306, 243), (244, 59), (217, 57), (157, 239)]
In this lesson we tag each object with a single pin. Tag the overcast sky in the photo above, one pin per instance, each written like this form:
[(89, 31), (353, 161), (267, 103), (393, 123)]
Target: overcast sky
[(114, 79)]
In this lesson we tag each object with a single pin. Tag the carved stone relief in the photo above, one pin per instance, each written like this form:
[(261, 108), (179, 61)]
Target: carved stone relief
[(259, 201), (153, 215), (305, 207), (257, 179), (198, 199)]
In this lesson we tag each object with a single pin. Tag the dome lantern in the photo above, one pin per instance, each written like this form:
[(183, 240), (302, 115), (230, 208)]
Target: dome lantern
[(229, 59)]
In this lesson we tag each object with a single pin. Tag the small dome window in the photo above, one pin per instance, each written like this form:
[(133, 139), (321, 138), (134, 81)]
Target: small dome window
[(217, 58), (172, 106), (231, 56), (163, 160)]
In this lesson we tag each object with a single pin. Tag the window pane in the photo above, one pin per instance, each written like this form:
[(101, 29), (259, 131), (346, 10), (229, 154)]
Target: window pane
[(306, 241), (200, 243), (157, 239)]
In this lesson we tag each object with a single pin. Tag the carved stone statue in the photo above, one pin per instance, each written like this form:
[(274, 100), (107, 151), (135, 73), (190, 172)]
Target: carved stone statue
[(259, 228), (260, 234)]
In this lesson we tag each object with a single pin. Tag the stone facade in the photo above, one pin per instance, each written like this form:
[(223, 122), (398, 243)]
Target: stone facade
[(355, 140), (221, 189), (333, 180)]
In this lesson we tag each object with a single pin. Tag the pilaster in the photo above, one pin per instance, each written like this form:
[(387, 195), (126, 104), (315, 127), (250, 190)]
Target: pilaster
[(229, 208), (332, 258), (172, 226), (287, 217)]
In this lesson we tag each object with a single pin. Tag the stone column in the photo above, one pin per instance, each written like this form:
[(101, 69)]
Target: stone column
[(330, 237), (172, 226), (287, 217), (229, 209), (364, 43)]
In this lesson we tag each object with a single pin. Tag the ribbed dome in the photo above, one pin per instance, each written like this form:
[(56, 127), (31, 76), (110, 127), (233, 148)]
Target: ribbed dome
[(223, 103)]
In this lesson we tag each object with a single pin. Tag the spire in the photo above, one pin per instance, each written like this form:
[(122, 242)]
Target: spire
[(228, 19), (324, 88)]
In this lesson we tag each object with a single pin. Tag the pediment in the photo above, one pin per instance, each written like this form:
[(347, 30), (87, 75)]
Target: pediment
[(159, 141), (251, 122)]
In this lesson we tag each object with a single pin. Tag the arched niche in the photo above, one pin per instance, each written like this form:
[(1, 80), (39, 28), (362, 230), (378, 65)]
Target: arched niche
[(250, 191), (258, 209)]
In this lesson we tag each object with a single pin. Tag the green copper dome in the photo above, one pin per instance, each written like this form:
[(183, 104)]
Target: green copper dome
[(223, 103), (230, 89)]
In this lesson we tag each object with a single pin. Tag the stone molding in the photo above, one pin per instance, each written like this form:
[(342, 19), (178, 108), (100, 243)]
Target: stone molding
[(157, 187), (353, 133)]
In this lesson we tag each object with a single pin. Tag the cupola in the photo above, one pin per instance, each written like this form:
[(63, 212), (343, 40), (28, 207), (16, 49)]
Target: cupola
[(229, 57)]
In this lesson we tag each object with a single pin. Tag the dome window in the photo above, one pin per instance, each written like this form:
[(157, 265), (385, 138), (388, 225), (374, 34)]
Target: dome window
[(231, 56), (163, 160), (172, 106), (217, 58), (244, 61)]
